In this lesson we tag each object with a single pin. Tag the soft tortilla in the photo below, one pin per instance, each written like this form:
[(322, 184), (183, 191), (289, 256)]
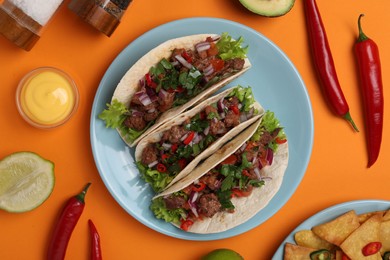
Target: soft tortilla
[(128, 85), (156, 136), (246, 207)]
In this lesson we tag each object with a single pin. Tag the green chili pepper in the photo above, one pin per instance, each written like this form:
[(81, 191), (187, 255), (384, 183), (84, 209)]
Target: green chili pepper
[(321, 254)]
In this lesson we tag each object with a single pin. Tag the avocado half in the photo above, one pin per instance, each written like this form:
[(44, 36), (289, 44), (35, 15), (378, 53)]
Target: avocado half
[(268, 8)]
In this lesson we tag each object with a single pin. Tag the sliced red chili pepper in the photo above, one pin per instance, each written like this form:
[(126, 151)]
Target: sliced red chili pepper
[(66, 224), (174, 148), (369, 64), (202, 115), (323, 61), (241, 193), (149, 81), (186, 56), (161, 167), (179, 89), (186, 224), (165, 156), (189, 138), (232, 159), (182, 163), (371, 248), (235, 109), (96, 251), (199, 187), (280, 141), (246, 173)]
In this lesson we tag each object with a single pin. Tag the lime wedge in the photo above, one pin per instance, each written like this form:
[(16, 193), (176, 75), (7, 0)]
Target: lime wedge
[(26, 181), (223, 254)]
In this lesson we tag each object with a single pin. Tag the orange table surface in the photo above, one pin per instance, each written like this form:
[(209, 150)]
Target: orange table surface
[(336, 172)]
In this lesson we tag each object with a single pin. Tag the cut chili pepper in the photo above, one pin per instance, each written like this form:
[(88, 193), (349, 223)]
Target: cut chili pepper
[(179, 89), (371, 248), (280, 141), (96, 251), (186, 224), (321, 254), (66, 224), (202, 115), (199, 187), (241, 193), (189, 138), (235, 109), (161, 167), (165, 156), (182, 163), (174, 148), (232, 159), (323, 61), (187, 57), (245, 173), (149, 81), (368, 59)]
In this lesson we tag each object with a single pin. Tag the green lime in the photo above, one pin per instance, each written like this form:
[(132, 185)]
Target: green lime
[(223, 254), (26, 181)]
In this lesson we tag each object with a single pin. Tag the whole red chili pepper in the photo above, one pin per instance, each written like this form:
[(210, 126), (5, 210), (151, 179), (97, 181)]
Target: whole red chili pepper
[(324, 63), (96, 251), (367, 54), (65, 226)]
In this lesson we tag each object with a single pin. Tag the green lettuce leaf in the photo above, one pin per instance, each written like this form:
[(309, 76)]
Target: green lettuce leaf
[(114, 115), (161, 212), (229, 48)]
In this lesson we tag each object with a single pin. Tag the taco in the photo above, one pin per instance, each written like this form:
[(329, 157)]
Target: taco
[(170, 79), (170, 153), (232, 185)]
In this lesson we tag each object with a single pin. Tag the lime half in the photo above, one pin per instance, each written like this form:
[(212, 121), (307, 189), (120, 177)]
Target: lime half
[(26, 181), (223, 254)]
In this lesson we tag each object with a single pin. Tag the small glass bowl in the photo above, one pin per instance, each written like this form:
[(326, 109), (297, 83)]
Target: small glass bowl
[(24, 85)]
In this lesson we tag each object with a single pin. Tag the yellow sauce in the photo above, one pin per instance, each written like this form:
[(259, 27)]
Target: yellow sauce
[(47, 98)]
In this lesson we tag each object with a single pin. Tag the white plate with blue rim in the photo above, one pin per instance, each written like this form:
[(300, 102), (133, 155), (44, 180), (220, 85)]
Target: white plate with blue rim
[(276, 84)]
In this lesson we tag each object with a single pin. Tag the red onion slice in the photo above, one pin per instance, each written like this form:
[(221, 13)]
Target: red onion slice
[(243, 117), (206, 130), (208, 70), (183, 61), (152, 164), (202, 46), (184, 137), (166, 146), (221, 106), (136, 113), (243, 146), (145, 99), (257, 172), (270, 156), (191, 203)]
